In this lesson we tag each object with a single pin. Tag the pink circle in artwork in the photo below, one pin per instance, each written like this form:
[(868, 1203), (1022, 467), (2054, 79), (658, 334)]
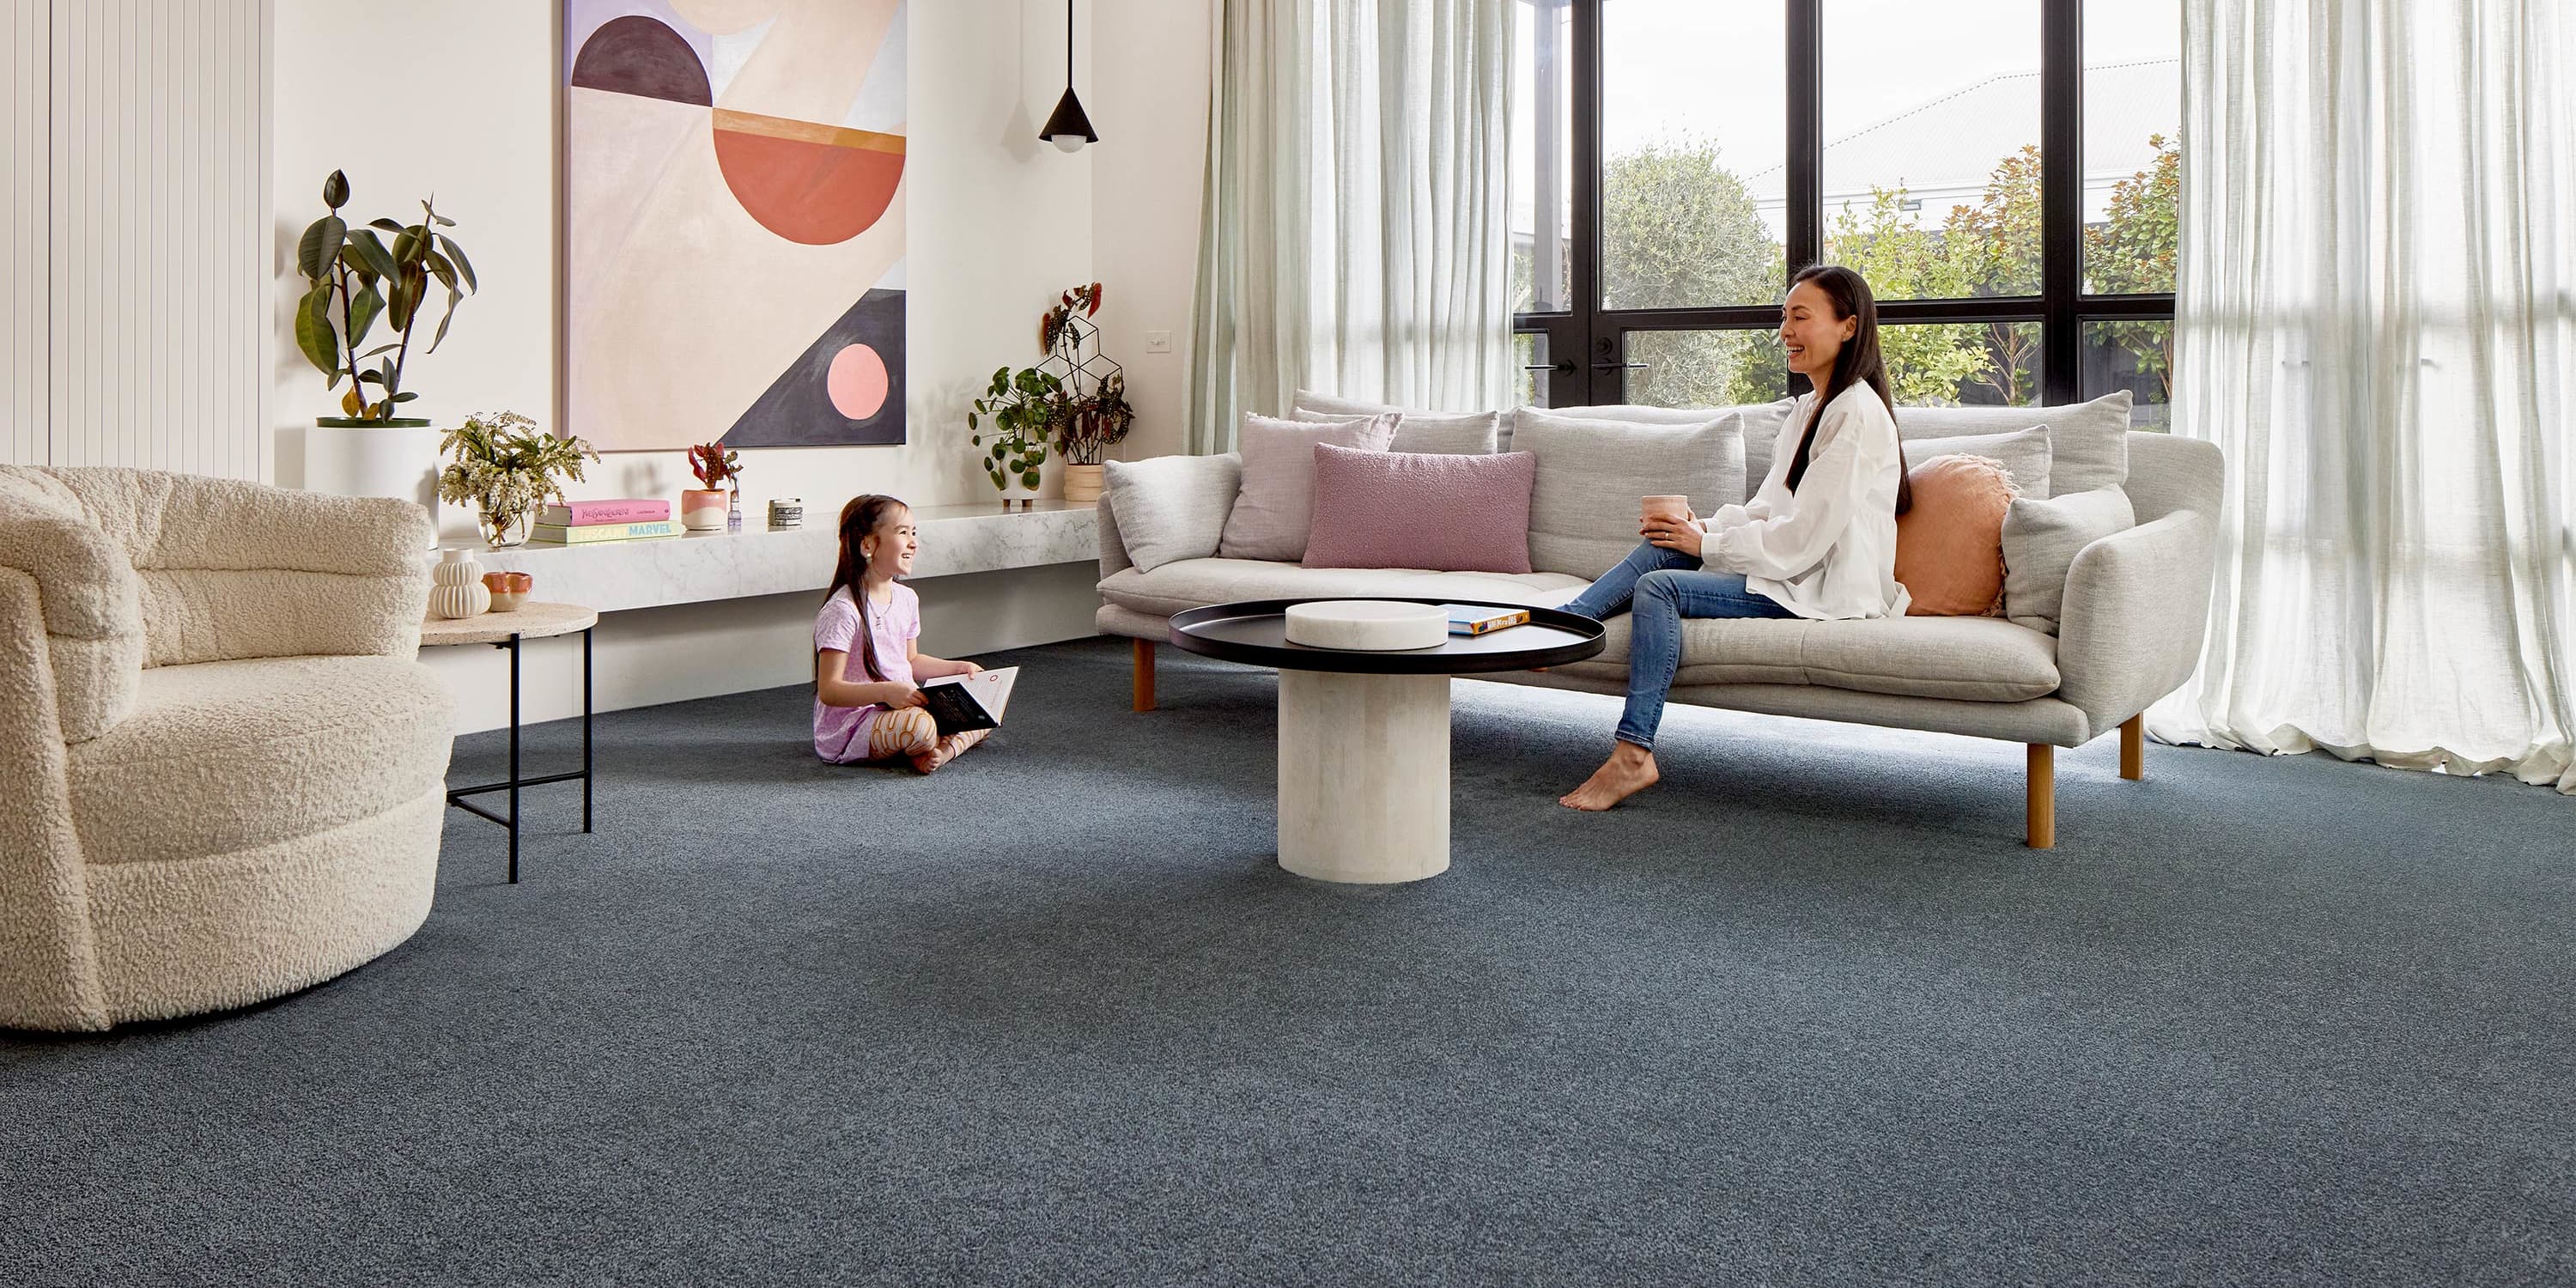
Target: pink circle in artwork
[(857, 382)]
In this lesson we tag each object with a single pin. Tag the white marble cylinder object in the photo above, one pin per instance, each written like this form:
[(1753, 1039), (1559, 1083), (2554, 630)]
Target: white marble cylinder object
[(1370, 625), (1363, 776)]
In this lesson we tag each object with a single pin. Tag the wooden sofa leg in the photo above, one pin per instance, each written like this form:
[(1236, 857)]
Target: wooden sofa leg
[(2043, 796), (1144, 675), (2133, 747)]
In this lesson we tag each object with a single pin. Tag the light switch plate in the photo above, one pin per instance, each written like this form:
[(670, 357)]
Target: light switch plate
[(1158, 342)]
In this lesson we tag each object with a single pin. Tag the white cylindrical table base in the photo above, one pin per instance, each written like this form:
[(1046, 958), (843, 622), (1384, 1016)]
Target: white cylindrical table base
[(1363, 776)]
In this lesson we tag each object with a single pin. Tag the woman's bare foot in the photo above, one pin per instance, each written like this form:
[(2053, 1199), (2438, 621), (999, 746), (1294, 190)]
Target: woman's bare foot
[(1629, 770)]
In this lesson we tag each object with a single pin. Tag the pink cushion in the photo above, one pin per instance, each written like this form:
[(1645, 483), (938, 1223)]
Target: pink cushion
[(1407, 510), (1950, 544)]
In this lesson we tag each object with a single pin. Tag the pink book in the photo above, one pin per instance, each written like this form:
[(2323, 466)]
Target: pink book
[(584, 514)]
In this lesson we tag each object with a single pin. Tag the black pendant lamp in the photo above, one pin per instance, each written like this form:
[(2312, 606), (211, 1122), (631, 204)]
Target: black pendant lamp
[(1068, 128)]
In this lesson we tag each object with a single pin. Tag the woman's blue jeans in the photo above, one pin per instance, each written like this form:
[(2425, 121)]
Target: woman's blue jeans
[(1659, 588)]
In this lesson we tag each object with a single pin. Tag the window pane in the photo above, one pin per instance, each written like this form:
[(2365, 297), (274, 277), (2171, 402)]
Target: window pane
[(1694, 130), (2138, 357), (1931, 175), (1530, 390), (2132, 144), (1984, 364), (1542, 134), (1706, 368)]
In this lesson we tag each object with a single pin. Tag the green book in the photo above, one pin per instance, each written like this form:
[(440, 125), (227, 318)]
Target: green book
[(558, 535)]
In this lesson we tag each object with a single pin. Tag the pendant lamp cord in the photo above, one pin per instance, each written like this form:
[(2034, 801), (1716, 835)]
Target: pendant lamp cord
[(1068, 44)]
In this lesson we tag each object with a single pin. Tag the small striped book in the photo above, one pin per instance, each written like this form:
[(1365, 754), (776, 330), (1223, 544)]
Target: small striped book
[(556, 534), (582, 514), (1477, 619)]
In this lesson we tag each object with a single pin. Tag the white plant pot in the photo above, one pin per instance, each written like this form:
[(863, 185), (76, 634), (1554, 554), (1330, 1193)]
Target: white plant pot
[(399, 462)]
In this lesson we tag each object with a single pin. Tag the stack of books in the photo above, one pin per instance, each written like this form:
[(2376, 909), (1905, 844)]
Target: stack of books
[(583, 523)]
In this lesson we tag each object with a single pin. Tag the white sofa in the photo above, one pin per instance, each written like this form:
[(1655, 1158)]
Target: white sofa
[(224, 771), (2134, 608)]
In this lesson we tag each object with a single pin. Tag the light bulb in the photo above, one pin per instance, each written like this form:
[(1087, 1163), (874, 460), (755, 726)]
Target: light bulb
[(1067, 142)]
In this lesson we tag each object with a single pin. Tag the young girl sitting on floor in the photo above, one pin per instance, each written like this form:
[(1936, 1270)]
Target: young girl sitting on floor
[(876, 619)]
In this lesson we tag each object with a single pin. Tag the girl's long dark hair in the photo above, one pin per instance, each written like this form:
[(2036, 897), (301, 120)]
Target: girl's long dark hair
[(1858, 363), (858, 519)]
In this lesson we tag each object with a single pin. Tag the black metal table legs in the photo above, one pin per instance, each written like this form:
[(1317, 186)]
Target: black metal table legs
[(457, 796)]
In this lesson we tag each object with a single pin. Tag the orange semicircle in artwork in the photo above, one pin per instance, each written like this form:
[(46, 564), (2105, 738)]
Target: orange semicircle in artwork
[(813, 184)]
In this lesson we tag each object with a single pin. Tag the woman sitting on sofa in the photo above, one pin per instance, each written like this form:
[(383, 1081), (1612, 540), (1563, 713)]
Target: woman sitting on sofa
[(1817, 539)]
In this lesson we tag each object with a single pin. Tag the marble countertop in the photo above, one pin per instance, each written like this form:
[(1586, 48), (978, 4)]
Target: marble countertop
[(703, 566)]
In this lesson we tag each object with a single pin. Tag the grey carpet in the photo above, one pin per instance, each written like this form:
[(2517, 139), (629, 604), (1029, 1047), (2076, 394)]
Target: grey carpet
[(1807, 1014)]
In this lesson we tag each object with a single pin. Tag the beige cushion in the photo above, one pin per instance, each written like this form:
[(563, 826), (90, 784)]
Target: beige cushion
[(1196, 583), (1976, 659), (92, 601), (1172, 507), (226, 756), (1762, 423), (1591, 474), (2089, 442), (2024, 454), (1426, 433), (2041, 540)]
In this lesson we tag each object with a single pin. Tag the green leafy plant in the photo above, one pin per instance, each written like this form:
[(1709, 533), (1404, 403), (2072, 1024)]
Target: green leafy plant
[(1093, 424), (1024, 408), (357, 277), (508, 467), (715, 465)]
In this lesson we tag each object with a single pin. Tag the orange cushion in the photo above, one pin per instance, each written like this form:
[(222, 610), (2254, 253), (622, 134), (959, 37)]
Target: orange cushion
[(1950, 544)]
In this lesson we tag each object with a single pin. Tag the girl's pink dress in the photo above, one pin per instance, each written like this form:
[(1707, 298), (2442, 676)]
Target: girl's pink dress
[(841, 733)]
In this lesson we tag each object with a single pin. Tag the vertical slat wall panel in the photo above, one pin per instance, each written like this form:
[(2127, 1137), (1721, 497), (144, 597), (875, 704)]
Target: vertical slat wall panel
[(24, 109), (153, 139)]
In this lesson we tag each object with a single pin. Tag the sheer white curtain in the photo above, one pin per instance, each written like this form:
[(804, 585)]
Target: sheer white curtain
[(1355, 235), (2377, 266)]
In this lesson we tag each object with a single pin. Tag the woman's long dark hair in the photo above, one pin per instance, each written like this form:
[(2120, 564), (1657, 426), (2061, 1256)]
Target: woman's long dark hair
[(1859, 362), (858, 520)]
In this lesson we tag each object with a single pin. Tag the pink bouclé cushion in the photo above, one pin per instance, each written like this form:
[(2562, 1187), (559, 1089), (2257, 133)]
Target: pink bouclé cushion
[(1405, 510), (1950, 544)]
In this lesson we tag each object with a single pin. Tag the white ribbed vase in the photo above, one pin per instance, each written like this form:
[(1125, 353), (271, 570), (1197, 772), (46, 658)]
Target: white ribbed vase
[(458, 589)]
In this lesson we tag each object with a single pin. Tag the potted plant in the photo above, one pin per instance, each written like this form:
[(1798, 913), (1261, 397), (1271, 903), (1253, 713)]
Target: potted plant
[(1023, 408), (358, 278), (507, 467), (710, 507), (1095, 415)]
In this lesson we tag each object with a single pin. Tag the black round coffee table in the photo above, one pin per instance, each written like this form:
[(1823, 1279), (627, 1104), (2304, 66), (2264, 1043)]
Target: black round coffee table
[(1364, 734)]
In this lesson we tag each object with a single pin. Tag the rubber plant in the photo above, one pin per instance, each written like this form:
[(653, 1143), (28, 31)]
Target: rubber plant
[(358, 277)]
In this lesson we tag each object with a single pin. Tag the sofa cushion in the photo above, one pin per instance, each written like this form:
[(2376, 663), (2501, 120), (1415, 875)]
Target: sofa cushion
[(1974, 659), (2089, 442), (224, 756), (1196, 583), (2024, 454), (1591, 474), (1277, 504), (1762, 424), (1457, 512), (2041, 540), (1172, 507), (1426, 433), (90, 598), (1950, 544)]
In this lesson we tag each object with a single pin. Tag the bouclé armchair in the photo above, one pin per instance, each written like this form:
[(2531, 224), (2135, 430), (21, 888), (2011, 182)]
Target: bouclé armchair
[(222, 770)]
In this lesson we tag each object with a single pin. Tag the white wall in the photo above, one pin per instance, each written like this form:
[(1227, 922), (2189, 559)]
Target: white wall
[(1147, 178)]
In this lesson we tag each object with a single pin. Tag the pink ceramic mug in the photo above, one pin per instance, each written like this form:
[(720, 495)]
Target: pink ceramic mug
[(1649, 507)]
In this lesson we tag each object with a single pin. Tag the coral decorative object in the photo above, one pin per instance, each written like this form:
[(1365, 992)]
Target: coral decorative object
[(509, 589), (456, 588)]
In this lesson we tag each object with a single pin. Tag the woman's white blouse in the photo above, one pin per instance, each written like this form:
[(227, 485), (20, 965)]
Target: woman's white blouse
[(1829, 549)]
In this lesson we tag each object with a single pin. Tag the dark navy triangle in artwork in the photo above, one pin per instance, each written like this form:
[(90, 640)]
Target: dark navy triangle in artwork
[(846, 389)]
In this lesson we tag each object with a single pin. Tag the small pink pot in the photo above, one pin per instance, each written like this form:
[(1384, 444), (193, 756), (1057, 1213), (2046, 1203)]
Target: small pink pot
[(509, 589)]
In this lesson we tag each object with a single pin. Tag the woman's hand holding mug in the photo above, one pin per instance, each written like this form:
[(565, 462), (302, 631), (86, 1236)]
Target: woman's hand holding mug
[(1667, 521)]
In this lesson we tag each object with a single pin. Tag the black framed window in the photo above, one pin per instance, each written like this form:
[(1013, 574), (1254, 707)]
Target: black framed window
[(2005, 173)]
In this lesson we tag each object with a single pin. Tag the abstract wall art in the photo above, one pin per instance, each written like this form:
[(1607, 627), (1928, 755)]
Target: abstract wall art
[(734, 222)]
